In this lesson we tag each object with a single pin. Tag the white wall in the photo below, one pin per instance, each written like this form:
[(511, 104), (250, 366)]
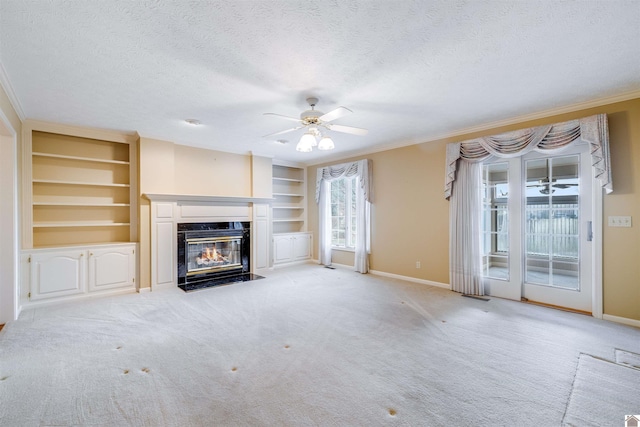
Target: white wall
[(8, 226)]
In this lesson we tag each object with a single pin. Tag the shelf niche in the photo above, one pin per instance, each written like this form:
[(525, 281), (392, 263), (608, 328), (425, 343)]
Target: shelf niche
[(80, 190), (289, 193)]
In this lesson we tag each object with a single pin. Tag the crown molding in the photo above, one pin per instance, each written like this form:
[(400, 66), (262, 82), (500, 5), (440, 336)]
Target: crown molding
[(599, 102), (82, 132), (8, 88)]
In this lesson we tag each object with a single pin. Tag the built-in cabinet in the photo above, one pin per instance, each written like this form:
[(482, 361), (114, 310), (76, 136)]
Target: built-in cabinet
[(79, 213), (292, 247), (79, 271), (291, 241)]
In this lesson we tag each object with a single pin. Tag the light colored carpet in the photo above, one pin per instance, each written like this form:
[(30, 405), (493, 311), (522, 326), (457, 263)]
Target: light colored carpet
[(627, 358), (305, 346), (603, 393)]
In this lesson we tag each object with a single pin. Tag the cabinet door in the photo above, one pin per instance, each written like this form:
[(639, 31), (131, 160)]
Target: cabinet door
[(261, 236), (57, 273), (111, 268), (302, 246), (282, 249)]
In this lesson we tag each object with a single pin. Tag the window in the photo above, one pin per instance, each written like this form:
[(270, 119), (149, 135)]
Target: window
[(343, 213), (495, 221)]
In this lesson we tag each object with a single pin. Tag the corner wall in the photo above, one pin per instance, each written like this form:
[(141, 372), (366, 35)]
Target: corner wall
[(410, 217)]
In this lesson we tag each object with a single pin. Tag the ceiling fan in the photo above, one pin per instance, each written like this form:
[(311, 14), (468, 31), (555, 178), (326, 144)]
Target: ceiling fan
[(314, 120), (549, 185)]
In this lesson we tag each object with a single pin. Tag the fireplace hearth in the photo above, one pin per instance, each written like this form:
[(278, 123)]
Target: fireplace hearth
[(213, 253)]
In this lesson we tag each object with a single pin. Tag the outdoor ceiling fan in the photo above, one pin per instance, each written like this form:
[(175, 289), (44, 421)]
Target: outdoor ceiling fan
[(314, 120)]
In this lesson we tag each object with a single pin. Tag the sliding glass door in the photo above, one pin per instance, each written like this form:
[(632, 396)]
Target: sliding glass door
[(536, 228)]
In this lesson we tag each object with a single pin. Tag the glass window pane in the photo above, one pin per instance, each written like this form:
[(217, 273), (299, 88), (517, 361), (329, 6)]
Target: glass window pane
[(566, 275), (565, 247), (495, 226), (343, 212), (537, 271)]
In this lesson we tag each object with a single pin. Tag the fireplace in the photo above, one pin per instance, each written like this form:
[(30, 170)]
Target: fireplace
[(213, 253)]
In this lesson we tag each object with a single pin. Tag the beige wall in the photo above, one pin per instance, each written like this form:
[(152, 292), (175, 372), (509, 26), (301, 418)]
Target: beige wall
[(168, 168), (410, 216), (206, 173), (261, 174)]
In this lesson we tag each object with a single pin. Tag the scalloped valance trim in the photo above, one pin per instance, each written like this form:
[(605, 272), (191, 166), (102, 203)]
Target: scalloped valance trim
[(593, 130), (361, 168)]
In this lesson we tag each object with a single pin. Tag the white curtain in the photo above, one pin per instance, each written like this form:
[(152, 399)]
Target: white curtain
[(324, 222), (465, 262), (362, 170), (463, 158)]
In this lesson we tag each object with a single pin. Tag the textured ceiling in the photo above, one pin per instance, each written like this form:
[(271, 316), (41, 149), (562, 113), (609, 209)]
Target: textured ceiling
[(410, 70)]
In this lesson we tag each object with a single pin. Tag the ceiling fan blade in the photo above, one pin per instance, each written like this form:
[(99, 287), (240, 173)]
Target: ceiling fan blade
[(348, 129), (335, 114), (295, 119), (282, 131)]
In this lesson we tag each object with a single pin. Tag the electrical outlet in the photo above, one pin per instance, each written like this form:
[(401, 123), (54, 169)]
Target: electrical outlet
[(619, 221), (417, 264)]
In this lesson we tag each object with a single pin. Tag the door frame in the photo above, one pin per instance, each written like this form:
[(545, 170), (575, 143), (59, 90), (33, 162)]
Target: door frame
[(9, 223), (549, 294), (597, 242)]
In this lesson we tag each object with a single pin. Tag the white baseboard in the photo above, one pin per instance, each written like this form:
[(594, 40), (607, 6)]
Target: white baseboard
[(411, 279), (144, 290), (288, 264), (395, 276), (75, 298), (155, 288), (623, 320)]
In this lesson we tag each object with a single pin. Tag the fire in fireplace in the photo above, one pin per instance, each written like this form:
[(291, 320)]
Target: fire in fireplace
[(213, 253)]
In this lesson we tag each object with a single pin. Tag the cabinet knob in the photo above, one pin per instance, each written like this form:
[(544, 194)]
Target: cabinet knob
[(90, 253)]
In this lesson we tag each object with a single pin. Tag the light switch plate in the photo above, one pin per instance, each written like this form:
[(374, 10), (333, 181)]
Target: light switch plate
[(619, 221)]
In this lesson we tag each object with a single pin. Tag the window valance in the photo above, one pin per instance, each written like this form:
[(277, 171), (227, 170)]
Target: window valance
[(361, 168), (592, 130)]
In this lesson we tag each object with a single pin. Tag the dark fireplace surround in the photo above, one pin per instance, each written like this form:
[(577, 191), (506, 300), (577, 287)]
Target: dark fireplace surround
[(213, 253)]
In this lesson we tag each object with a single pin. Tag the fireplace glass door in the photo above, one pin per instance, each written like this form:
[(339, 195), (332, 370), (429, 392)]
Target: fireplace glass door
[(213, 254)]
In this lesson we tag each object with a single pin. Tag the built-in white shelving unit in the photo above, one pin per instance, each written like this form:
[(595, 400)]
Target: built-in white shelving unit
[(291, 240), (289, 193), (79, 188), (79, 213)]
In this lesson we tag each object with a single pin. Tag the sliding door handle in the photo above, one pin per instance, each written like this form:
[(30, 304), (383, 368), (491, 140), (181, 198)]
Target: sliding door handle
[(589, 231)]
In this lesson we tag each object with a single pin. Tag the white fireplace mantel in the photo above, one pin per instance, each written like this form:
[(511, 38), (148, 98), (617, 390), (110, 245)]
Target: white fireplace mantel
[(161, 197), (169, 210)]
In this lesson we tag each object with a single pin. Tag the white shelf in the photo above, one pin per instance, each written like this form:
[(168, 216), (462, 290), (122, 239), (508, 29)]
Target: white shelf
[(287, 195), (275, 178), (81, 186), (90, 184), (84, 159), (81, 204), (79, 224)]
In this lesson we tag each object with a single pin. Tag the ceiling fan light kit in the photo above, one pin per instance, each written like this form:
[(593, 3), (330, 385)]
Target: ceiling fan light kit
[(307, 142), (312, 120), (326, 143)]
